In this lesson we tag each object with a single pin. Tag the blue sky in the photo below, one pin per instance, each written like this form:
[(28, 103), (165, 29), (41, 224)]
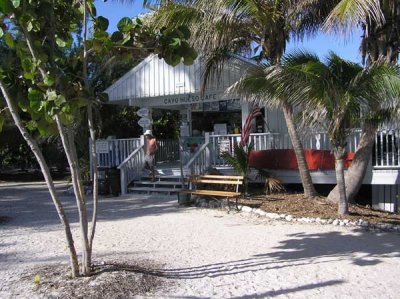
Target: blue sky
[(322, 44)]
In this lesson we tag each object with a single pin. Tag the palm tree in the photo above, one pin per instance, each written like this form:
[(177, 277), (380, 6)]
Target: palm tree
[(339, 93), (380, 22), (247, 27)]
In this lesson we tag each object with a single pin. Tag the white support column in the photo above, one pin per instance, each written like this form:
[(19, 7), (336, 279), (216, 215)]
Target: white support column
[(150, 116), (124, 186), (245, 112), (208, 154)]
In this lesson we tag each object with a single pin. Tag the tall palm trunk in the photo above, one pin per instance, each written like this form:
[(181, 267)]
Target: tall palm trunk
[(305, 176), (356, 172), (49, 181), (343, 207)]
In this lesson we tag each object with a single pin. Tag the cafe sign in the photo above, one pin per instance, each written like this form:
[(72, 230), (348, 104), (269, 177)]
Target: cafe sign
[(143, 112), (176, 100), (144, 122)]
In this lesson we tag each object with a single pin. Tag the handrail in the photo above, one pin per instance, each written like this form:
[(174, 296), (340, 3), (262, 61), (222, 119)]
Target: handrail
[(130, 156), (196, 155), (201, 157), (130, 168)]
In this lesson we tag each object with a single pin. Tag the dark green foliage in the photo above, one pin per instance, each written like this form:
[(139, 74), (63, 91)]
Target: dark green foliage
[(240, 161)]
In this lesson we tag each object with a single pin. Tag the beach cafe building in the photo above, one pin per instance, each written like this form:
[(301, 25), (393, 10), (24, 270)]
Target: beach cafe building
[(210, 124)]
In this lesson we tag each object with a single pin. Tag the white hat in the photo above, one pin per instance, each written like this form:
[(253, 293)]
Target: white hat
[(148, 132)]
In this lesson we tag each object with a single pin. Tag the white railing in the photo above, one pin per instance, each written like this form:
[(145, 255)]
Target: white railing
[(168, 150), (266, 141), (387, 149), (111, 152), (199, 163), (320, 141), (131, 168), (225, 143)]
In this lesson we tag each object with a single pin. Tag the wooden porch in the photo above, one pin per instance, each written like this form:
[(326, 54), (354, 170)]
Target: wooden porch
[(200, 153)]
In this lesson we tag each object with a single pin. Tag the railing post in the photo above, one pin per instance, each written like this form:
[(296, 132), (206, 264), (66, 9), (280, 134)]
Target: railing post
[(208, 155), (124, 187)]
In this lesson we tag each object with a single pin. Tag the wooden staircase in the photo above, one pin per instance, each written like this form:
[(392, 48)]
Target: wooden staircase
[(167, 181)]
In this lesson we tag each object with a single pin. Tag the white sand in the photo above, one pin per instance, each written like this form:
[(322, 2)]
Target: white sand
[(206, 253)]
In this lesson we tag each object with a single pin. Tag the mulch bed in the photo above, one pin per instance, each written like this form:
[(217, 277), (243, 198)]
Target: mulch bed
[(298, 205), (110, 279)]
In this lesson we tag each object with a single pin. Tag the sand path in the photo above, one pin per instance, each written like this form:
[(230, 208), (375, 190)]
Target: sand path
[(204, 253)]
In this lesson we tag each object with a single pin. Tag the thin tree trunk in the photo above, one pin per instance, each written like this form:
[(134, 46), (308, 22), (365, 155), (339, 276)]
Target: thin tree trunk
[(92, 139), (49, 181), (308, 186), (358, 168), (95, 176), (69, 147), (343, 208)]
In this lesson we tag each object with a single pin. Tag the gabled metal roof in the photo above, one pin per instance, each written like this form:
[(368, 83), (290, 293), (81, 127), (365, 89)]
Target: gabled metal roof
[(153, 78)]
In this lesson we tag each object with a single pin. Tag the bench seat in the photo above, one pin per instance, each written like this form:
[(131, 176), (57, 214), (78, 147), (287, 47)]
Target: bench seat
[(209, 185), (211, 192)]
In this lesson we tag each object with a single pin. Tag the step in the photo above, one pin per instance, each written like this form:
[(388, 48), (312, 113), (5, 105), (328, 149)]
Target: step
[(159, 183), (159, 178), (153, 190)]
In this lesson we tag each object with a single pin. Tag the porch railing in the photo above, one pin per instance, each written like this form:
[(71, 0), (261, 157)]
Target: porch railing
[(266, 141), (131, 168), (199, 163), (386, 150), (112, 152), (168, 150)]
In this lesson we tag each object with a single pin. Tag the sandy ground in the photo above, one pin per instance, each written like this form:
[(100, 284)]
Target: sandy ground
[(204, 253)]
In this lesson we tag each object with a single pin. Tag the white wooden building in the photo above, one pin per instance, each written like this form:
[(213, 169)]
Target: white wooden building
[(215, 118)]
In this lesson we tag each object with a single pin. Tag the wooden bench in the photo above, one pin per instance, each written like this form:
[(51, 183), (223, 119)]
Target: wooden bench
[(220, 182)]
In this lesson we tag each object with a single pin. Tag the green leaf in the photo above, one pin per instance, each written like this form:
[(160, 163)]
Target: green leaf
[(60, 42), (31, 125), (16, 3), (49, 80), (172, 59), (175, 43), (1, 32), (127, 38), (29, 76), (45, 128), (100, 35), (29, 26), (9, 40), (35, 106), (51, 95), (97, 46), (117, 36), (35, 95), (59, 100), (6, 7), (66, 119), (188, 60), (125, 24), (101, 23), (185, 31), (23, 104)]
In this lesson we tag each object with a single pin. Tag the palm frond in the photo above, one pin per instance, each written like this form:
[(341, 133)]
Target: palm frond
[(349, 13), (272, 183)]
